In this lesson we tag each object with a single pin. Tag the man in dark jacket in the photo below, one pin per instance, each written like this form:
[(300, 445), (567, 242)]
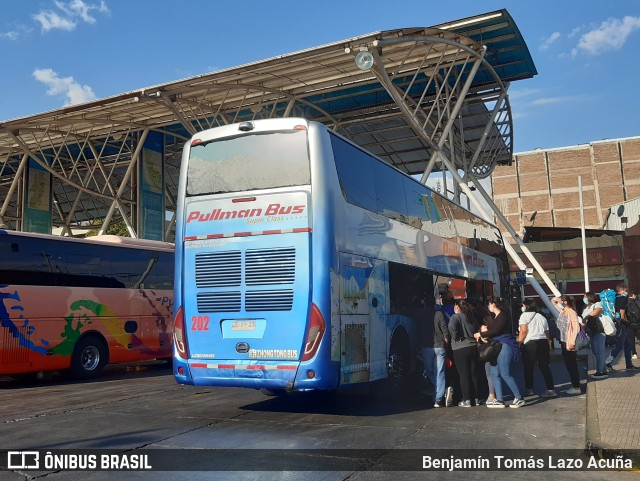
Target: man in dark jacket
[(433, 336), (624, 339)]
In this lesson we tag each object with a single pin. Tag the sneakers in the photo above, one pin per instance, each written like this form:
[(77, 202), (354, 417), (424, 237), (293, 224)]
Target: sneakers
[(529, 392), (437, 404), (479, 402), (465, 404), (599, 375), (549, 393), (517, 403), (448, 397), (634, 356), (631, 368), (574, 390), (609, 368), (494, 403)]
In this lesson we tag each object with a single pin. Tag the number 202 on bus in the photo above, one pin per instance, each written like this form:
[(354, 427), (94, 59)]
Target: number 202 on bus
[(199, 323)]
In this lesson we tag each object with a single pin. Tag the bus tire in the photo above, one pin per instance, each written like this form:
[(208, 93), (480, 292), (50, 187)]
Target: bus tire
[(89, 357), (273, 392), (399, 362)]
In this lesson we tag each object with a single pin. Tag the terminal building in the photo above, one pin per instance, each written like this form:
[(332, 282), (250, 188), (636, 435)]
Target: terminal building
[(539, 194)]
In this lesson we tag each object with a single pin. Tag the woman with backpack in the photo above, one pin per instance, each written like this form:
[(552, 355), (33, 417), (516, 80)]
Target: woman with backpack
[(534, 340), (591, 316), (569, 326)]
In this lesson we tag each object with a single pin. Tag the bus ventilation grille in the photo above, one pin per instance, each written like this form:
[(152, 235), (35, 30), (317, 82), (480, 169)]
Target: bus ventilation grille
[(218, 269), (270, 266), (262, 267), (281, 300), (218, 301), (13, 352)]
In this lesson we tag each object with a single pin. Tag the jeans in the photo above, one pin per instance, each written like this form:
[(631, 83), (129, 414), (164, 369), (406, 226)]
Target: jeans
[(598, 350), (623, 341), (502, 372), (433, 360), (536, 351), (487, 371)]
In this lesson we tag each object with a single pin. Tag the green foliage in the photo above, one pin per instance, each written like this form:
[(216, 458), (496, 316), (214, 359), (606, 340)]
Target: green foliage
[(115, 228)]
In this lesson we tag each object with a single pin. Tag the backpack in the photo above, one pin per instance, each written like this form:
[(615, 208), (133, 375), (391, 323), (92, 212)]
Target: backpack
[(632, 312), (608, 301)]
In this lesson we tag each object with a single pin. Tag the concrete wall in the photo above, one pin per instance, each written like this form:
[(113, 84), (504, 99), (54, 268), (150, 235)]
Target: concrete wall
[(546, 182)]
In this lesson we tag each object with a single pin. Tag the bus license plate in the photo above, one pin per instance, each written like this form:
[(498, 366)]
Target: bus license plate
[(243, 326)]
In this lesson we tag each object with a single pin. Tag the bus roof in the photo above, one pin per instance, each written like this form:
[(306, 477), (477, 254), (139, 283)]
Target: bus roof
[(99, 239)]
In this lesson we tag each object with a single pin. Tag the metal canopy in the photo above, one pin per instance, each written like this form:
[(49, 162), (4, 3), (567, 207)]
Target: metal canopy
[(432, 98)]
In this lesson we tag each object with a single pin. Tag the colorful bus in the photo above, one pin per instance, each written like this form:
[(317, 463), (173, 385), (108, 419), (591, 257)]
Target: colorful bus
[(78, 304), (302, 260)]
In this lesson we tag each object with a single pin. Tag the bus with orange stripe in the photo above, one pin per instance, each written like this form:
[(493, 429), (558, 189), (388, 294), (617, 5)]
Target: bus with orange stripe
[(302, 260), (76, 305)]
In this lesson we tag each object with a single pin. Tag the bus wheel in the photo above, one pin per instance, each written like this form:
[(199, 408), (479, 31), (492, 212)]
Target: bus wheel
[(398, 363), (89, 357), (273, 392)]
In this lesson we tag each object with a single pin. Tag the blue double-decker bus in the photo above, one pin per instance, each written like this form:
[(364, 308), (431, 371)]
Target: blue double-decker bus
[(302, 261)]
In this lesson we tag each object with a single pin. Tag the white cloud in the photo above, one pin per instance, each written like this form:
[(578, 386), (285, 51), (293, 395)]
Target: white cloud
[(556, 100), (521, 93), (16, 31), (574, 32), (610, 35), (546, 42), (10, 35), (67, 86), (51, 20), (68, 15)]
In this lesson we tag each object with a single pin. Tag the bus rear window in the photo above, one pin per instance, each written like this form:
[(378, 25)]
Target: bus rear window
[(248, 162)]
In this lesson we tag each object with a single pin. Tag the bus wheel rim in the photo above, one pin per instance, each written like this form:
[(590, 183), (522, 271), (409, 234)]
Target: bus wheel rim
[(90, 358)]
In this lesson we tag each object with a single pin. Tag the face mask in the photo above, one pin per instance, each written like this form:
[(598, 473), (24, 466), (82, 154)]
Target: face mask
[(585, 300), (523, 309)]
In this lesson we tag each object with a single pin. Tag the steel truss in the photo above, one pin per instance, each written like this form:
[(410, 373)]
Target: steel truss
[(448, 68)]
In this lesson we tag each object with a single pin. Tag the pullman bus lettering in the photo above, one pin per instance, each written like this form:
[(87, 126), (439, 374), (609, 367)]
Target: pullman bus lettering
[(219, 214)]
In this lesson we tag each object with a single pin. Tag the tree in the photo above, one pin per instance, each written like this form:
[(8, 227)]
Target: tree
[(115, 228)]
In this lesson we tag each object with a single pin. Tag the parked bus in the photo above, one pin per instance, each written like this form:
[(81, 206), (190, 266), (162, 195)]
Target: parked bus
[(302, 260), (79, 304)]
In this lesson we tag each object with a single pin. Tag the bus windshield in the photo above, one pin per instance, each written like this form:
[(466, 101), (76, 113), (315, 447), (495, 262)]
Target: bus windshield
[(257, 161)]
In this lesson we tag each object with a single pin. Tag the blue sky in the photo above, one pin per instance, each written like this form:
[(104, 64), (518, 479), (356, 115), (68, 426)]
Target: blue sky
[(57, 52)]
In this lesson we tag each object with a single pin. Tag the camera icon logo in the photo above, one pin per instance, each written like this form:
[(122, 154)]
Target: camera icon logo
[(23, 460)]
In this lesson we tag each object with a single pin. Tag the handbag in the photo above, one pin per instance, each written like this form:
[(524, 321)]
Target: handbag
[(608, 325), (582, 340), (488, 351)]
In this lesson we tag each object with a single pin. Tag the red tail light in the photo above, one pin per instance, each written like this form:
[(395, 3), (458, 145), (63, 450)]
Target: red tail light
[(178, 334), (314, 333)]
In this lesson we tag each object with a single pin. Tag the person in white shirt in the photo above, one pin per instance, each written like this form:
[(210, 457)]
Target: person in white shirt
[(534, 340)]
